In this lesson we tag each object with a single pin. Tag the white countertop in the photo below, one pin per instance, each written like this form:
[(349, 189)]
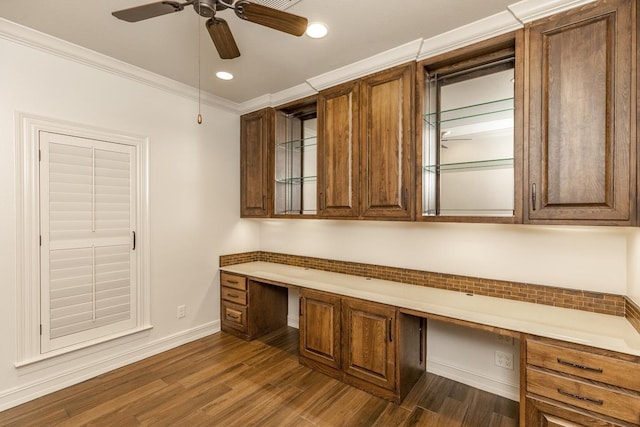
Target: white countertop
[(598, 330)]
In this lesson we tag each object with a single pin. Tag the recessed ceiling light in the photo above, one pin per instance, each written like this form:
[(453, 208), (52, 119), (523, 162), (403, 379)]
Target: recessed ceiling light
[(223, 75), (316, 30)]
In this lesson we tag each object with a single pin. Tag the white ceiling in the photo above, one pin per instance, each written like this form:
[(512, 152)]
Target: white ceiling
[(271, 61)]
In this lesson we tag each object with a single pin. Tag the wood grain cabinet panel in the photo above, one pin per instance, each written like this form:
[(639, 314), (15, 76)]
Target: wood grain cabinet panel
[(338, 151), (580, 385), (582, 106), (386, 143), (541, 413), (256, 138), (249, 308), (584, 364), (369, 352), (320, 330)]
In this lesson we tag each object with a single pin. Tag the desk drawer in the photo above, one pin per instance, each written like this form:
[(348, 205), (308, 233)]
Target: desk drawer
[(234, 316), (234, 295), (615, 403), (233, 281), (585, 365)]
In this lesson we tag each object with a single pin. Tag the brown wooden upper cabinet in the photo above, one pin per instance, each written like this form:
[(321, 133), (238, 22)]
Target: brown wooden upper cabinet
[(365, 146), (338, 151), (582, 116), (256, 138), (386, 143), (470, 157)]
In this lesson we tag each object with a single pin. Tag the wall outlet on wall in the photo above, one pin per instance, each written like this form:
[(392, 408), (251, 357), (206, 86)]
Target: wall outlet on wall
[(182, 311), (504, 360)]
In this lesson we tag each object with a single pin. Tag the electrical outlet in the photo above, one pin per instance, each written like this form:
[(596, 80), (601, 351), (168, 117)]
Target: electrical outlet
[(503, 339), (182, 311), (504, 360)]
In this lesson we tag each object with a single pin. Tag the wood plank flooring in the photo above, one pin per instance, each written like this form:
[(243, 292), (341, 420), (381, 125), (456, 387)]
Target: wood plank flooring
[(221, 380)]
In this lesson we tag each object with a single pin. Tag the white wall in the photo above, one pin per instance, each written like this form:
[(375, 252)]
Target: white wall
[(194, 204), (633, 290), (590, 258)]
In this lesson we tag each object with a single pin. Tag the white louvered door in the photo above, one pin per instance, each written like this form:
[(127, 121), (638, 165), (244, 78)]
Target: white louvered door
[(88, 261)]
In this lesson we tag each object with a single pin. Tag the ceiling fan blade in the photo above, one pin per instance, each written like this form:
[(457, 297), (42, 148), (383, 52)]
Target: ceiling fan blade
[(147, 11), (222, 38), (272, 18)]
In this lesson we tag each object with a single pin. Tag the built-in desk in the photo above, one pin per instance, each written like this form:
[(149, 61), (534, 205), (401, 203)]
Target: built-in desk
[(577, 367)]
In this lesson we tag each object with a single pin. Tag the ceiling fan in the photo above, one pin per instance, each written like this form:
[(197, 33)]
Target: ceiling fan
[(217, 27)]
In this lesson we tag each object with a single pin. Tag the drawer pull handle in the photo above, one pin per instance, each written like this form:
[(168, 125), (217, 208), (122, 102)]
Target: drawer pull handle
[(233, 316), (233, 296), (575, 365), (583, 398), (235, 282)]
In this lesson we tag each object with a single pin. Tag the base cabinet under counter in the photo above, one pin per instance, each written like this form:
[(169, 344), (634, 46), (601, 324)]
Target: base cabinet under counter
[(250, 309), (573, 385), (365, 344)]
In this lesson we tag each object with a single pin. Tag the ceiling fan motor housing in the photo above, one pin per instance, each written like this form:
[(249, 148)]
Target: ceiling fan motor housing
[(208, 8)]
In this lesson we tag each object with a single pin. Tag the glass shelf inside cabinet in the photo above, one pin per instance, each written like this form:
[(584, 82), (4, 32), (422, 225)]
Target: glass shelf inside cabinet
[(468, 146), (298, 144), (475, 165), (490, 111), (296, 180), (295, 163)]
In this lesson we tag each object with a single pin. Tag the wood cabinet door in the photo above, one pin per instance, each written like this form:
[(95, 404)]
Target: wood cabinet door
[(338, 151), (369, 342), (582, 106), (544, 413), (386, 143), (256, 138), (320, 328)]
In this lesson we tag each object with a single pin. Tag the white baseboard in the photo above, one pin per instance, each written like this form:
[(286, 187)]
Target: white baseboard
[(99, 365), (474, 379), (293, 322)]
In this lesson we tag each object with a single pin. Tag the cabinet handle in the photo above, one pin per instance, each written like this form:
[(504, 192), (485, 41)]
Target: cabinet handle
[(301, 306), (134, 241), (583, 398), (405, 197), (390, 330), (533, 195), (233, 316), (235, 282), (575, 365), (233, 296)]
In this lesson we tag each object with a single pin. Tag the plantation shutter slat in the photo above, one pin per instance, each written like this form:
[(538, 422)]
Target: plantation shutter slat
[(88, 282)]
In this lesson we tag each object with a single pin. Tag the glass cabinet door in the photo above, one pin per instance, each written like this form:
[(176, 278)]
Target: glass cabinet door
[(468, 151), (295, 164)]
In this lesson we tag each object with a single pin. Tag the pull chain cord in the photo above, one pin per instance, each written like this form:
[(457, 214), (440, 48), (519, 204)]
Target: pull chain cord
[(198, 28)]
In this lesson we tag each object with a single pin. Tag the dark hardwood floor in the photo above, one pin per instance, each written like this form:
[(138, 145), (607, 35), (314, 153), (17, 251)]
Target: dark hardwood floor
[(221, 380)]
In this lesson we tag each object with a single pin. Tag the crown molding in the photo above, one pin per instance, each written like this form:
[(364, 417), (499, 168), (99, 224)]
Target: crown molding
[(274, 99), (477, 31), (297, 92), (530, 10), (37, 40), (255, 104), (382, 61)]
